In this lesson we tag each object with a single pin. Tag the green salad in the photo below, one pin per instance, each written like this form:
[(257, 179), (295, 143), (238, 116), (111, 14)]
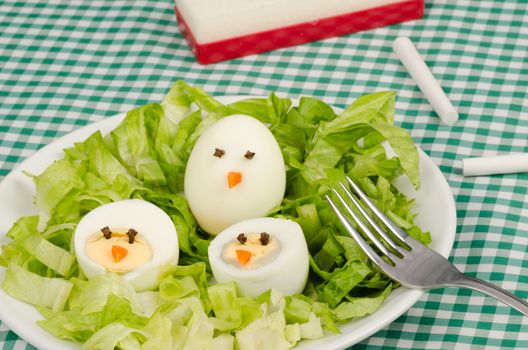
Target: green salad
[(145, 158)]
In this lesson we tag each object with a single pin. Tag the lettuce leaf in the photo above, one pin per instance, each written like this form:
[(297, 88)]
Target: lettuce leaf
[(40, 291), (109, 337), (92, 295), (134, 144), (54, 184), (267, 332), (54, 257), (236, 312), (358, 307)]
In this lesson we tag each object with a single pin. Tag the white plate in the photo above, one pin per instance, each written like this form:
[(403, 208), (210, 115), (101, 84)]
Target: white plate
[(434, 205)]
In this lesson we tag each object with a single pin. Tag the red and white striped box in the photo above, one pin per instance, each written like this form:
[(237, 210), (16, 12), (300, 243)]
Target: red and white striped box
[(219, 30)]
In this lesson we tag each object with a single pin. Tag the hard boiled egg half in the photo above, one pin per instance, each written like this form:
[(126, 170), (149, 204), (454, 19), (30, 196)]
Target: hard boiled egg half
[(234, 172), (259, 254), (133, 238)]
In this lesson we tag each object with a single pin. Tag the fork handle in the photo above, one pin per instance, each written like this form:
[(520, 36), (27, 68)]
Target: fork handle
[(492, 290)]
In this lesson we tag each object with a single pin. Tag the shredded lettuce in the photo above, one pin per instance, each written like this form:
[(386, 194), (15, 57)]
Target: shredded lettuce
[(54, 184), (232, 311), (92, 295), (361, 306), (145, 158), (54, 257), (34, 289), (266, 332), (109, 337)]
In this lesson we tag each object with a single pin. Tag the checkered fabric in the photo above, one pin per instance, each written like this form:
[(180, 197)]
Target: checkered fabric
[(64, 64)]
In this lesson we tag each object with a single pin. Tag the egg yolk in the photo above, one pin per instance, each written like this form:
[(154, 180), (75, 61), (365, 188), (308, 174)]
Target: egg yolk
[(116, 254), (252, 253)]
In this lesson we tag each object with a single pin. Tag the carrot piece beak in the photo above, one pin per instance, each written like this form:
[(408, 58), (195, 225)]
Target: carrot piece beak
[(243, 256), (233, 178), (118, 253)]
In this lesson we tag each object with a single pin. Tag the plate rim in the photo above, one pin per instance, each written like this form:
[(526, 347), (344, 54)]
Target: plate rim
[(339, 341)]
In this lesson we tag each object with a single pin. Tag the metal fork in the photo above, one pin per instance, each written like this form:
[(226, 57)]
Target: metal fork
[(408, 262)]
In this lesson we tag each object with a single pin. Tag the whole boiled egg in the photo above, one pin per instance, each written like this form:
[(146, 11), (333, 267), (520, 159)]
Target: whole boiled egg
[(235, 172), (133, 238), (261, 254)]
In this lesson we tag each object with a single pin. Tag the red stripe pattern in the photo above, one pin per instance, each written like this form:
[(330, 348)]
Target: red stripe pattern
[(301, 33)]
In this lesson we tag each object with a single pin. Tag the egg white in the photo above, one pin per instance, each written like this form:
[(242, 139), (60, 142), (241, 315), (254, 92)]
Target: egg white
[(152, 223), (287, 273), (216, 206)]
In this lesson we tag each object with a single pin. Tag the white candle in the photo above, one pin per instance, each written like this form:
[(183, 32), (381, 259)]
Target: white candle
[(425, 80), (503, 164)]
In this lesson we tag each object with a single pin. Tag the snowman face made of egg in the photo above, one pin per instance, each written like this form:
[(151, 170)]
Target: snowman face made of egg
[(235, 172)]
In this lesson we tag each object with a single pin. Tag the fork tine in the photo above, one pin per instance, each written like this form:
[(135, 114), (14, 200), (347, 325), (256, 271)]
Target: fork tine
[(364, 227), (371, 221), (386, 221), (374, 257)]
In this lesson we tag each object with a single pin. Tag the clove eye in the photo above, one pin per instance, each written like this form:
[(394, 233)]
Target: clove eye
[(218, 152), (242, 238), (131, 235), (249, 155), (264, 238), (106, 232)]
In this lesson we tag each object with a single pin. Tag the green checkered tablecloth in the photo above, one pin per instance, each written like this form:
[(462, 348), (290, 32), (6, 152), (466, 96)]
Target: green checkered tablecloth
[(66, 64)]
